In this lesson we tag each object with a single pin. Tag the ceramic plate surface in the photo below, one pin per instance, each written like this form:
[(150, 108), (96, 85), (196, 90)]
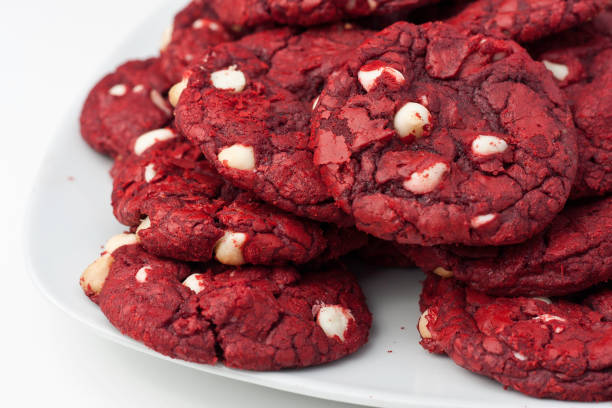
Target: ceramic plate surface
[(70, 218)]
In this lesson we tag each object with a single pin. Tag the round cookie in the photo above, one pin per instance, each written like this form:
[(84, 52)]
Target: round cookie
[(193, 31), (181, 208), (248, 106), (425, 137), (124, 105), (252, 318), (545, 348), (580, 61), (573, 253), (523, 20), (253, 13)]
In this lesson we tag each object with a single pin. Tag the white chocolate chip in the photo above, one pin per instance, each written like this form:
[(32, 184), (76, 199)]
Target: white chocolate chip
[(177, 89), (141, 275), (194, 282), (559, 71), (92, 279), (238, 157), (481, 220), (549, 318), (373, 4), (148, 139), (213, 26), (315, 102), (199, 23), (411, 119), (138, 88), (367, 78), (543, 299), (166, 37), (229, 78), (423, 330), (144, 224), (149, 172), (442, 272), (118, 90), (559, 329), (427, 180), (159, 101), (486, 145), (334, 320), (228, 249), (519, 356), (120, 240)]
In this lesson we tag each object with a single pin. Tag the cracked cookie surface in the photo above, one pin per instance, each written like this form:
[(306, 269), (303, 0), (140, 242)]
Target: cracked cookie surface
[(124, 105), (573, 253), (252, 318), (431, 136), (181, 208), (248, 106), (580, 61), (560, 348)]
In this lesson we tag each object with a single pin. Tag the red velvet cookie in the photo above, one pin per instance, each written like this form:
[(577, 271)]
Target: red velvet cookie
[(124, 105), (573, 253), (252, 13), (248, 107), (523, 20), (431, 136), (581, 62), (184, 210), (252, 318), (558, 349), (194, 29)]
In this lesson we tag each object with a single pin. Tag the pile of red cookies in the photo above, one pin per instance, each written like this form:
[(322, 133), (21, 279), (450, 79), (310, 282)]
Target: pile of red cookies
[(271, 139)]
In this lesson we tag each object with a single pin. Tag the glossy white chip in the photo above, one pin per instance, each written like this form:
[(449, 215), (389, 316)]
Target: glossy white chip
[(194, 282), (481, 220), (144, 224), (120, 240), (559, 71), (149, 172), (423, 330), (411, 119), (238, 156), (367, 78), (334, 320), (166, 37), (118, 90), (427, 180), (175, 92), (148, 139), (486, 145), (143, 273), (228, 249), (230, 79)]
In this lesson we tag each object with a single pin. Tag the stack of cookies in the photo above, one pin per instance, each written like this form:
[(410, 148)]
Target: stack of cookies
[(272, 140)]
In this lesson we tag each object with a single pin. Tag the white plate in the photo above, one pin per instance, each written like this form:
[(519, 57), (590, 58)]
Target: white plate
[(70, 218)]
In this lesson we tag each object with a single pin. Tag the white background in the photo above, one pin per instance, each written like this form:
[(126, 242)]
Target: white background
[(51, 53)]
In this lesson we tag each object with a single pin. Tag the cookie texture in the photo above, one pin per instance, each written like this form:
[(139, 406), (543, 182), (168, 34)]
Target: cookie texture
[(250, 13), (579, 60), (572, 254), (124, 105), (181, 208), (194, 29), (425, 137), (545, 348), (248, 106), (251, 318), (523, 20)]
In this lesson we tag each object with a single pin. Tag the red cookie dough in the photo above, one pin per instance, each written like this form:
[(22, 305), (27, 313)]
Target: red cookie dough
[(195, 29), (581, 62), (248, 107), (523, 20), (252, 318), (573, 253), (558, 349), (124, 105), (430, 136), (189, 212), (252, 13)]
